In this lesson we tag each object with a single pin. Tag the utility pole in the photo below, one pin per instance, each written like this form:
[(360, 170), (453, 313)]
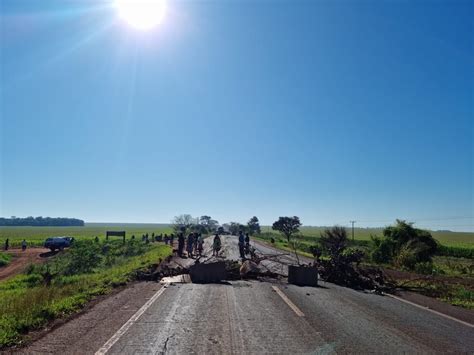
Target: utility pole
[(352, 222)]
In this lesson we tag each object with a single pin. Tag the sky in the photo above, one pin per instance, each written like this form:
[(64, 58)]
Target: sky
[(329, 110)]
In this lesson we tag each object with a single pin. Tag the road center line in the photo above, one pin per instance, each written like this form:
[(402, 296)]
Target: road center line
[(430, 310), (104, 349), (288, 302)]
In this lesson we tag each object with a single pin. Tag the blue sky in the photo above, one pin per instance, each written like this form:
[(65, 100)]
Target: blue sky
[(329, 110)]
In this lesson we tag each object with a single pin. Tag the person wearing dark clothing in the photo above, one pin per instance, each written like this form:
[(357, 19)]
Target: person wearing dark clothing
[(7, 244), (241, 244), (189, 248), (247, 243), (180, 244), (23, 245), (216, 245), (200, 244)]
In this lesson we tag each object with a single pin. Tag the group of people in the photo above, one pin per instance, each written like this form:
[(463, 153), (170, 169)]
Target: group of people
[(244, 244), (6, 246), (194, 244), (156, 238)]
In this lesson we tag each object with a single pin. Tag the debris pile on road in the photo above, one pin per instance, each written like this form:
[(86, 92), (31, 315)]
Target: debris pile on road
[(158, 271), (212, 271), (353, 276)]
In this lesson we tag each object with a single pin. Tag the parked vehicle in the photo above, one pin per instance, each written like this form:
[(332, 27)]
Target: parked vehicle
[(58, 243)]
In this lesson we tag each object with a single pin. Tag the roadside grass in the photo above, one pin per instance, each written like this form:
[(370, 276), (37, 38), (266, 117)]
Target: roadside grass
[(4, 259), (35, 236), (452, 293), (452, 266), (284, 246), (454, 239), (52, 290)]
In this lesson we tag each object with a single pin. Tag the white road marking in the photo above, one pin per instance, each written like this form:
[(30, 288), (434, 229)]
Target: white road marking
[(431, 310), (104, 349), (288, 302)]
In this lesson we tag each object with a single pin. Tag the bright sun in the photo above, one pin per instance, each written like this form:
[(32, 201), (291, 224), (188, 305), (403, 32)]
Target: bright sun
[(142, 14)]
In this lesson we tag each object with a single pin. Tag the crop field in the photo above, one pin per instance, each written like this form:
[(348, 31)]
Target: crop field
[(453, 239), (35, 236)]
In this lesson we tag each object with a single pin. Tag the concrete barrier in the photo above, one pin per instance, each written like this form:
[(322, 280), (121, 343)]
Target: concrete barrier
[(302, 275), (208, 273)]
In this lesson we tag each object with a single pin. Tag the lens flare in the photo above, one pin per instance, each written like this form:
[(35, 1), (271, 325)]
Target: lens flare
[(142, 14)]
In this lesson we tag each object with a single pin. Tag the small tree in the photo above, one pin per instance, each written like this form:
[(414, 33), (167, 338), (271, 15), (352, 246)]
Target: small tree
[(334, 241), (288, 226), (183, 223), (254, 226), (236, 227), (207, 225)]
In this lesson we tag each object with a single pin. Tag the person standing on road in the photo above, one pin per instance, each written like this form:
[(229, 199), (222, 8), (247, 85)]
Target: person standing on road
[(195, 243), (189, 247), (247, 243), (242, 245), (180, 244), (200, 244), (216, 245), (23, 245), (7, 244)]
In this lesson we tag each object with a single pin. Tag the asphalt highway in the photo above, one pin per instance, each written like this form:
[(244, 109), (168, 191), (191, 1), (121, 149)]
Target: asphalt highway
[(273, 317)]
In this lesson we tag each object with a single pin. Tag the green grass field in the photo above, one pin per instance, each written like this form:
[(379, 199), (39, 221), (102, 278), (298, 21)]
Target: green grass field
[(36, 236), (454, 239)]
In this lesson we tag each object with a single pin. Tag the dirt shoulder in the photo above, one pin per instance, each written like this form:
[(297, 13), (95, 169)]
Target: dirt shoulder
[(21, 259), (87, 331)]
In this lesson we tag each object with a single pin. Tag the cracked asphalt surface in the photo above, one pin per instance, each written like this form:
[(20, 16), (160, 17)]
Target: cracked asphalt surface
[(249, 317)]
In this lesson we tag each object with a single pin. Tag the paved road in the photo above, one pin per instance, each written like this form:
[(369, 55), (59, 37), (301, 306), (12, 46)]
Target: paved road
[(272, 317)]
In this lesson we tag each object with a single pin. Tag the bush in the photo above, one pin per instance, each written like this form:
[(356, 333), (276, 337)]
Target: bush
[(404, 245), (333, 241), (406, 258), (382, 250), (425, 268), (315, 250), (420, 241), (4, 259)]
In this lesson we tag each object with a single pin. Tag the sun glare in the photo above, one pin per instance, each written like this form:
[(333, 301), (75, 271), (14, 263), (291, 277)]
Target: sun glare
[(142, 14)]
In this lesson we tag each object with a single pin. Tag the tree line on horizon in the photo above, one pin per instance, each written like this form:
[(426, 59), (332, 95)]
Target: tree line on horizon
[(185, 223), (41, 222)]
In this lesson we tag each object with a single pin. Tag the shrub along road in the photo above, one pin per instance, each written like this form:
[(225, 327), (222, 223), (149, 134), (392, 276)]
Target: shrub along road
[(256, 317)]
